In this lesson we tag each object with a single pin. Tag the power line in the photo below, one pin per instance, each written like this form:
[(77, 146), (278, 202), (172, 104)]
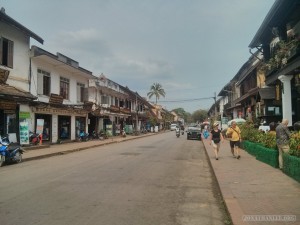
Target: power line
[(186, 100)]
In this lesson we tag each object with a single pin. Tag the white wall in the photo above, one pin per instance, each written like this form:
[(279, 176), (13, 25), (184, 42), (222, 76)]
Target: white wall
[(19, 74)]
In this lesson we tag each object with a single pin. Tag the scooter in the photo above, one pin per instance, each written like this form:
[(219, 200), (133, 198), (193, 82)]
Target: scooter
[(177, 133), (83, 136), (9, 154), (94, 135), (34, 138)]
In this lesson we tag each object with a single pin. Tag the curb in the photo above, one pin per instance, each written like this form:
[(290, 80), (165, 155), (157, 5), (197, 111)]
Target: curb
[(217, 181)]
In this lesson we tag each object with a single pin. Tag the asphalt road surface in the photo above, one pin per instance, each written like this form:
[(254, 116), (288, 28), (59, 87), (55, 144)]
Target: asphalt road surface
[(156, 180)]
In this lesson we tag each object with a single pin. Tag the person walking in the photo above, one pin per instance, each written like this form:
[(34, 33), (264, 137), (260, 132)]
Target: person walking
[(215, 138), (235, 139), (282, 140)]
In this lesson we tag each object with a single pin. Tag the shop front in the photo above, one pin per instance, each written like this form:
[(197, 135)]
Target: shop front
[(47, 128), (64, 127), (80, 124)]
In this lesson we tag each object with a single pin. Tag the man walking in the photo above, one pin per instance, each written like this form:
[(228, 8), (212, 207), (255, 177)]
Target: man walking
[(282, 140), (235, 140)]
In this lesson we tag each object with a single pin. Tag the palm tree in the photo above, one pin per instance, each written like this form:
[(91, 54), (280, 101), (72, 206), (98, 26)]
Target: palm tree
[(157, 90)]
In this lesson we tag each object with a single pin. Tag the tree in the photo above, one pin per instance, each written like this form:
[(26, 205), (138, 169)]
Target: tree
[(183, 114), (199, 115), (157, 91)]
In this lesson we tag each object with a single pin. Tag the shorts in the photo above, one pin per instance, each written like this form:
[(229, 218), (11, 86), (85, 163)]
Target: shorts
[(235, 143), (215, 145)]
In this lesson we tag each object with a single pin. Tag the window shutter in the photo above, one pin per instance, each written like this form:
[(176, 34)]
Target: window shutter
[(78, 93), (1, 50), (10, 54), (40, 84)]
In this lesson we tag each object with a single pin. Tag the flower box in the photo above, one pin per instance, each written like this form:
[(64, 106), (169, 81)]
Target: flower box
[(261, 153)]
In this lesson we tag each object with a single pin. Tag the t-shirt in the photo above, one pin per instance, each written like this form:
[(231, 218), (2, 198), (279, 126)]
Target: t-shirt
[(216, 136), (235, 133)]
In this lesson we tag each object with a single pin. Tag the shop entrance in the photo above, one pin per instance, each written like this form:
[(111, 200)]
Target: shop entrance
[(64, 127), (80, 125), (47, 125)]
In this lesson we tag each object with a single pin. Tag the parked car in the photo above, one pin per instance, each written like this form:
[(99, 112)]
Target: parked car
[(193, 133), (173, 126)]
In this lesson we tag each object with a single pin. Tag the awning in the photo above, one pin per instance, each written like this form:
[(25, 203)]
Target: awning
[(12, 93)]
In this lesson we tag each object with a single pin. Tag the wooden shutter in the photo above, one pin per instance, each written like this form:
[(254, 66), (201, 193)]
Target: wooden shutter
[(10, 54), (1, 50)]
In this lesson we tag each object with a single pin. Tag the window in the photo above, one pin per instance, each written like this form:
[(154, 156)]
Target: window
[(80, 92), (104, 99), (64, 87), (43, 82), (6, 52)]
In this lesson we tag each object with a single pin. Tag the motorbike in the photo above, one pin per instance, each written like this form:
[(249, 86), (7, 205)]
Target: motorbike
[(123, 133), (94, 135), (8, 153), (34, 138), (177, 133), (83, 136)]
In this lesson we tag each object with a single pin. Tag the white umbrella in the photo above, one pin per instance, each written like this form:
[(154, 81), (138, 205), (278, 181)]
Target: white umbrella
[(237, 120)]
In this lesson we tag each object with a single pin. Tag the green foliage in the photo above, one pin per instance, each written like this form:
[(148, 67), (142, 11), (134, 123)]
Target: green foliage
[(199, 115), (268, 139), (295, 144), (157, 91)]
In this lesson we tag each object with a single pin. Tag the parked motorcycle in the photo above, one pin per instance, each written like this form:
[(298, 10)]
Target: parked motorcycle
[(8, 153), (83, 136), (123, 133), (95, 135), (103, 134), (34, 138), (177, 133)]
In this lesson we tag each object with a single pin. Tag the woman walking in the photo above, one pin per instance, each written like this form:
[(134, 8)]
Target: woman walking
[(215, 138)]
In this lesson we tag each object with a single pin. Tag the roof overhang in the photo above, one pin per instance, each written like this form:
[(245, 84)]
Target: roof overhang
[(12, 93), (10, 21)]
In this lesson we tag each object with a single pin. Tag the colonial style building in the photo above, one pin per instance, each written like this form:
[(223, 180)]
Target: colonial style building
[(278, 38), (267, 86), (61, 87), (52, 95), (15, 76)]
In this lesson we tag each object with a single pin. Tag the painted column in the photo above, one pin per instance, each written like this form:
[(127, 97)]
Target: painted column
[(286, 97)]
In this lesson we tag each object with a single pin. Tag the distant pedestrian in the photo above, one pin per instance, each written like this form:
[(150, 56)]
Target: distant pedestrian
[(215, 138), (235, 139), (282, 140)]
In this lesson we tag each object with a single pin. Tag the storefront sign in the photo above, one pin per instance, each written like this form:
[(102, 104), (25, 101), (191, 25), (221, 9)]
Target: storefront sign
[(56, 99), (24, 115), (10, 105), (58, 111)]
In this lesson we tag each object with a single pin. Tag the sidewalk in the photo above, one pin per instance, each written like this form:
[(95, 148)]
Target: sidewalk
[(44, 151), (250, 187)]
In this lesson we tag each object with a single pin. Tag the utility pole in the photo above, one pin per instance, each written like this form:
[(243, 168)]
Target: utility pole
[(215, 98), (137, 118)]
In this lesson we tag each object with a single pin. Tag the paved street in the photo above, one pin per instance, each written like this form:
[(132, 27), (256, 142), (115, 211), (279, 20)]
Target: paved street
[(152, 180)]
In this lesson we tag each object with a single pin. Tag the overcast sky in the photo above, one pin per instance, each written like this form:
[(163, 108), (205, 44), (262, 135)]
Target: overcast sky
[(191, 47)]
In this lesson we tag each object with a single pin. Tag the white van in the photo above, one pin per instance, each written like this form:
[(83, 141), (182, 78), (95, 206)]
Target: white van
[(173, 126)]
